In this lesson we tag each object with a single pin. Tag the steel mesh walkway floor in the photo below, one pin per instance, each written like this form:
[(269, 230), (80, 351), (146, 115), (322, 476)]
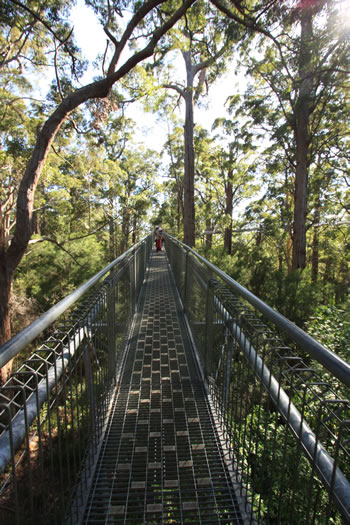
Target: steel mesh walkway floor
[(160, 461)]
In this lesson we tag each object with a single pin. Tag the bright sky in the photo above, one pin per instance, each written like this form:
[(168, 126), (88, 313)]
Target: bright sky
[(92, 40)]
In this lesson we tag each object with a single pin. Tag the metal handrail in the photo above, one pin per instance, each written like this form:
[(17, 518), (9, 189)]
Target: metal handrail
[(332, 362), (15, 345), (224, 330), (57, 402), (324, 463)]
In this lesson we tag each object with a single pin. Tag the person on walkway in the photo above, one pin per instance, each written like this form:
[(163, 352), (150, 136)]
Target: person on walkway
[(158, 232)]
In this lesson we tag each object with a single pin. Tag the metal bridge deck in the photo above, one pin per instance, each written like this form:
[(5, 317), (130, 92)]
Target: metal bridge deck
[(161, 460)]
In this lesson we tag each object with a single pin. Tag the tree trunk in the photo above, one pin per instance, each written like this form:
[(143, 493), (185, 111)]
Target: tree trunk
[(125, 229), (5, 327), (228, 213), (180, 210), (100, 89), (302, 140), (315, 244), (112, 251), (134, 229), (209, 235), (189, 212)]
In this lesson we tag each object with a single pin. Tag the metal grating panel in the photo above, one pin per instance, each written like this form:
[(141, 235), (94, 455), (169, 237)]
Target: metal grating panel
[(161, 461)]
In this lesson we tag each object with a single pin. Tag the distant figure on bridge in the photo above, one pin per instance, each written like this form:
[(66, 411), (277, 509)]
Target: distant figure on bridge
[(158, 233)]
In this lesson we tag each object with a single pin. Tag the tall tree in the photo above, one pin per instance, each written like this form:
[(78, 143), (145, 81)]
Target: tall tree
[(203, 40), (173, 187), (159, 17), (232, 160), (306, 53)]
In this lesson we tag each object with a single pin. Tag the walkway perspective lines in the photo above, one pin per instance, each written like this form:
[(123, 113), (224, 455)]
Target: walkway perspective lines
[(161, 460)]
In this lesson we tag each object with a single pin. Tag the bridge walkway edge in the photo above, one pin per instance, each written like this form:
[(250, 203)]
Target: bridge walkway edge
[(161, 459)]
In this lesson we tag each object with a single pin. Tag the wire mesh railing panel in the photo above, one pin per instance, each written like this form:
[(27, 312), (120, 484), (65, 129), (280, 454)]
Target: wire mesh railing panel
[(161, 460), (179, 260), (286, 425), (195, 298), (53, 408)]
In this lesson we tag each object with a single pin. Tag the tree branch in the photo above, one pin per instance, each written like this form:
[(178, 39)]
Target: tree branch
[(176, 88), (59, 245), (138, 16), (97, 89), (43, 22), (251, 24), (87, 234), (206, 63)]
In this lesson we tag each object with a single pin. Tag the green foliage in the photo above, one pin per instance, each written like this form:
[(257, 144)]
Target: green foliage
[(267, 446), (330, 325), (103, 177), (47, 273)]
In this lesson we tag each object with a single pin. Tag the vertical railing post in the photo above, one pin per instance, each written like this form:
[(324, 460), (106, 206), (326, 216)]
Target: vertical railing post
[(111, 330), (136, 275), (88, 350), (145, 253), (135, 279), (227, 378), (209, 323), (132, 284), (185, 291)]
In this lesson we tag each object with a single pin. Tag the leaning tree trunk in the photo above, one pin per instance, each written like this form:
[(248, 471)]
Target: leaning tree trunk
[(5, 327), (10, 259), (302, 140), (189, 211)]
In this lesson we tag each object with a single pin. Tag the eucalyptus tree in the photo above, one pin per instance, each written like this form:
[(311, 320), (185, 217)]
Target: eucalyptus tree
[(138, 171), (150, 20), (302, 61), (32, 31), (208, 188), (27, 31), (204, 40), (236, 164), (173, 185)]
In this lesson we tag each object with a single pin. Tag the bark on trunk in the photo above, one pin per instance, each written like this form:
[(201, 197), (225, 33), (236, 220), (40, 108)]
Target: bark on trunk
[(209, 236), (134, 230), (125, 230), (112, 251), (10, 259), (5, 327), (189, 212), (302, 140)]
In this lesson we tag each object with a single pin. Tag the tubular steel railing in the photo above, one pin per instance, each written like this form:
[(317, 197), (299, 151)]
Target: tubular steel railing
[(54, 407), (281, 398)]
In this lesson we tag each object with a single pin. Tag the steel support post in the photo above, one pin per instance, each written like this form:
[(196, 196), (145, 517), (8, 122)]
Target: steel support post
[(138, 260), (136, 268), (132, 285), (227, 379), (209, 323), (88, 352), (185, 291), (111, 331), (145, 261)]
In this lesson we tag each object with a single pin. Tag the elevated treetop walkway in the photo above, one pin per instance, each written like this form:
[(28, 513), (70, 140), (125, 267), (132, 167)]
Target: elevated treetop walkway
[(167, 393)]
